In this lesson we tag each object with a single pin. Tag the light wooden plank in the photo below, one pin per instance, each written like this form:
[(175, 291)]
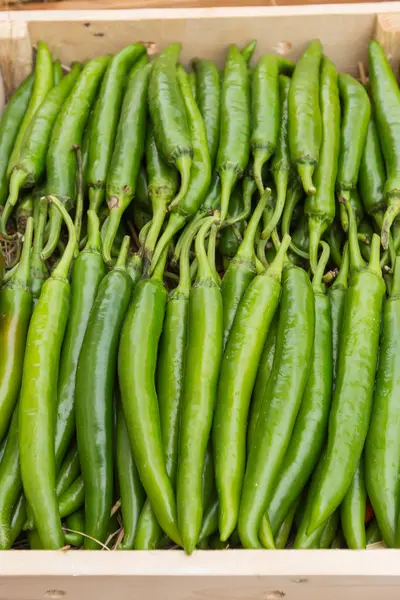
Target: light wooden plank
[(15, 53)]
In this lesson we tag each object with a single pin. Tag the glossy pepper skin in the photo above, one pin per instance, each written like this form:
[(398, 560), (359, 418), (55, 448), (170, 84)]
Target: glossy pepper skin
[(61, 162), (382, 452), (44, 81), (128, 151), (352, 511), (353, 133), (10, 122), (337, 295), (208, 91), (236, 380), (320, 208), (372, 175), (260, 384), (352, 401), (265, 112), (169, 384), (136, 370), (386, 97), (15, 313), (203, 356), (32, 157), (105, 121), (311, 424), (305, 127), (132, 493), (38, 395), (167, 112), (285, 389), (200, 174), (281, 165), (234, 145), (95, 377), (39, 272), (10, 482), (88, 271), (241, 271)]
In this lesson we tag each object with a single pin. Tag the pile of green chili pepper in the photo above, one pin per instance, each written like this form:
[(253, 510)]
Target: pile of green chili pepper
[(200, 303)]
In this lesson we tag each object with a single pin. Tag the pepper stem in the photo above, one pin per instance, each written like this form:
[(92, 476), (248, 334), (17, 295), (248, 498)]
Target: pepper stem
[(276, 267), (93, 236), (317, 284), (246, 248), (341, 279), (260, 156), (183, 163), (185, 280), (192, 225), (96, 197), (344, 218), (281, 182), (228, 180), (154, 231), (158, 272), (113, 222), (390, 215), (22, 272), (249, 187), (306, 171), (18, 178), (374, 259), (62, 269), (316, 227), (293, 197), (123, 253), (55, 223), (395, 291), (212, 242), (356, 260), (175, 223), (204, 269)]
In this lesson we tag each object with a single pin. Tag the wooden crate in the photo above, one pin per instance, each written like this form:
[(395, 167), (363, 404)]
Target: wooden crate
[(207, 575)]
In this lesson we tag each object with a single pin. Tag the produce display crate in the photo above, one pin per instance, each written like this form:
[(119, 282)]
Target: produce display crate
[(345, 31)]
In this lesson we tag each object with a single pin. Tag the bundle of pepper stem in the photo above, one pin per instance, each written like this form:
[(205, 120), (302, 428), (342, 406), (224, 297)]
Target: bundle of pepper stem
[(203, 278)]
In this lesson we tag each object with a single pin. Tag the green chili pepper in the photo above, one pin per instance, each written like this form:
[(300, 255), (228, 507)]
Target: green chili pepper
[(38, 395), (132, 492), (311, 424), (169, 383), (163, 183), (69, 470), (337, 295), (136, 368), (352, 511), (284, 392), (234, 145), (208, 100), (351, 406), (286, 527), (209, 525), (167, 111), (320, 208), (241, 270), (335, 237), (76, 522), (87, 272), (353, 134), (263, 373), (237, 376), (33, 150), (373, 534), (23, 211), (329, 531), (231, 237), (18, 518), (281, 164), (72, 499), (372, 175), (365, 233), (57, 71), (105, 121), (339, 542), (39, 272), (200, 175), (266, 114), (44, 81), (68, 130), (382, 452), (85, 150), (10, 122), (10, 482), (305, 126), (386, 97), (95, 376), (203, 355), (128, 151), (248, 51), (304, 541), (294, 195), (15, 314)]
